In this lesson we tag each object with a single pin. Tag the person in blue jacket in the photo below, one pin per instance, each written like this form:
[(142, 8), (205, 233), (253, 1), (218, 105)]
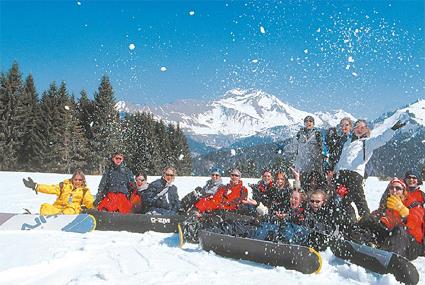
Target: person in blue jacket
[(161, 197)]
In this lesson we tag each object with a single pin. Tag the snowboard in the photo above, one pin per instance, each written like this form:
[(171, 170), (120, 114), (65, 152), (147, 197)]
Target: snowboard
[(294, 257), (137, 223), (376, 260), (81, 223)]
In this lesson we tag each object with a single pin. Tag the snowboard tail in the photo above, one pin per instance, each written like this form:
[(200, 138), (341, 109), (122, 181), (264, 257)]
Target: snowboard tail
[(376, 260), (295, 257), (138, 223)]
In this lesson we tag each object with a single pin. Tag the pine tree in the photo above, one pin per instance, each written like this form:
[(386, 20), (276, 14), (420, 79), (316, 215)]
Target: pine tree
[(78, 147), (105, 127), (180, 150), (28, 114), (11, 88)]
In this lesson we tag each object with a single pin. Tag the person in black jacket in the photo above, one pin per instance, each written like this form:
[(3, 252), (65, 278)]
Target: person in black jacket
[(115, 187), (261, 191), (161, 197)]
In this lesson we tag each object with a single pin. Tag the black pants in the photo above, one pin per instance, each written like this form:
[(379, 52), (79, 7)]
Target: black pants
[(354, 182), (402, 243)]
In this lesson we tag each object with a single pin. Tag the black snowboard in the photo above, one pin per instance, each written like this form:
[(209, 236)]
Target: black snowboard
[(376, 260), (137, 223), (295, 257)]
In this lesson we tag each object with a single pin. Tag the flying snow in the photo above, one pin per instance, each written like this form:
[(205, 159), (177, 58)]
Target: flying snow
[(254, 61), (233, 152), (78, 3), (132, 46), (66, 107), (350, 59), (262, 30), (306, 51), (354, 74), (163, 68), (191, 13), (181, 156)]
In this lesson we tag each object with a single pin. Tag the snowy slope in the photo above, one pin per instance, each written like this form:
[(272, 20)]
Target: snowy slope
[(52, 258)]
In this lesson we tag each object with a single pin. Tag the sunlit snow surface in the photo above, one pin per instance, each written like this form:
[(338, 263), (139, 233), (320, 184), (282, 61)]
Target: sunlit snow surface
[(52, 258)]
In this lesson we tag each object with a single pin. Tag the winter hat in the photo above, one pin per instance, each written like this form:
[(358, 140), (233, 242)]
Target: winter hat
[(309, 118), (413, 173), (216, 170), (397, 180), (235, 171)]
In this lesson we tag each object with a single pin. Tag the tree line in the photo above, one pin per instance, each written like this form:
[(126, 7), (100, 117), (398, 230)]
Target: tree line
[(59, 133)]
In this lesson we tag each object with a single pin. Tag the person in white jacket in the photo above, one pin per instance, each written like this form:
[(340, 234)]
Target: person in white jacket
[(356, 152)]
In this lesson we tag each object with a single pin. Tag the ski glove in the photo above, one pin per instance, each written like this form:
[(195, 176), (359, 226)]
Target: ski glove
[(262, 210), (342, 191), (30, 184), (395, 203), (398, 125)]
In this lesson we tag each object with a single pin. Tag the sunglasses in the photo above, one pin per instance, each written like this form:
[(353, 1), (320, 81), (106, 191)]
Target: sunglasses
[(118, 158), (308, 121), (398, 188), (169, 174), (217, 175), (234, 175), (315, 201), (140, 179), (412, 177)]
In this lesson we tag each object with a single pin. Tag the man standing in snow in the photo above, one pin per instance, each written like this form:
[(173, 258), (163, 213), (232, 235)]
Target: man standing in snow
[(309, 157), (355, 154)]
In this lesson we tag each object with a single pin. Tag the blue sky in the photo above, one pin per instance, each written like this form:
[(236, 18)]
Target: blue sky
[(366, 57)]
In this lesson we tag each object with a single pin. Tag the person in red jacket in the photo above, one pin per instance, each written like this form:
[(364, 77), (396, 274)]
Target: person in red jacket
[(397, 225), (228, 197), (412, 180)]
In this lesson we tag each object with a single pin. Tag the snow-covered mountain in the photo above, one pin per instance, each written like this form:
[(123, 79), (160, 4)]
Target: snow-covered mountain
[(237, 114)]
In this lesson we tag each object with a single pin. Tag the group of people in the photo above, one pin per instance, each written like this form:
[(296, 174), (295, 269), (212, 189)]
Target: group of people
[(119, 191), (326, 199)]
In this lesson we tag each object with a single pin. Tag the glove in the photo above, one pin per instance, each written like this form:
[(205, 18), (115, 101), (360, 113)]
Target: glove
[(30, 184), (398, 125), (262, 210), (402, 121), (342, 191), (395, 203)]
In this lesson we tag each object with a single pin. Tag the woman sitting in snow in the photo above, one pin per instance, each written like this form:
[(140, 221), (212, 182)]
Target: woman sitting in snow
[(209, 189), (397, 225), (73, 194)]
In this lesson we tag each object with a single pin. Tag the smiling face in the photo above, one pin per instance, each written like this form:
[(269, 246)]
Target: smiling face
[(316, 201), (235, 178), (280, 180), (396, 189), (140, 181), (215, 177), (411, 181), (295, 200), (308, 124), (345, 126), (169, 175), (118, 159), (267, 177), (361, 129), (78, 180)]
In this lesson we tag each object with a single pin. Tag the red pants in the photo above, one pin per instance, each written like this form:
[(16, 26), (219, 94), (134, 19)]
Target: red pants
[(115, 202)]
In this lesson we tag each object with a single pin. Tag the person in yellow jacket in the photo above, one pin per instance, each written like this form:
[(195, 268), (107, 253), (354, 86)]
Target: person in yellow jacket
[(72, 194)]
